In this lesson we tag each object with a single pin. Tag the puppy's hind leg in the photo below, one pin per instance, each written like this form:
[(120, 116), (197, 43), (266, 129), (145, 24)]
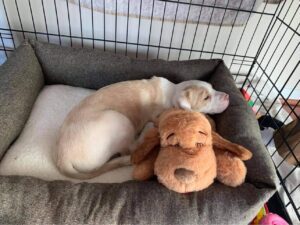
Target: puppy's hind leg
[(114, 164), (85, 156)]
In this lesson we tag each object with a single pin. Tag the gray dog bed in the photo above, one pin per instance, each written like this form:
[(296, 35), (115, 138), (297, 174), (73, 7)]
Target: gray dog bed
[(30, 200)]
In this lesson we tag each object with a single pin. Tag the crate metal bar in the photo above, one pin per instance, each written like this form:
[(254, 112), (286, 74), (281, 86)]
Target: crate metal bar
[(231, 28), (57, 22), (184, 30), (267, 34), (19, 17), (104, 24), (269, 76), (80, 18), (173, 28), (293, 190), (217, 37), (195, 33), (139, 27), (129, 43), (92, 17), (274, 86), (255, 30), (161, 30), (289, 26), (289, 196), (280, 178), (45, 20), (220, 7), (207, 29), (116, 25), (3, 45), (32, 19), (8, 23), (150, 29), (275, 49)]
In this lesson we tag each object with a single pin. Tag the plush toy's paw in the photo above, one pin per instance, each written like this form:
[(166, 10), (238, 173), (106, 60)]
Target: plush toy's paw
[(145, 169), (231, 170), (142, 172)]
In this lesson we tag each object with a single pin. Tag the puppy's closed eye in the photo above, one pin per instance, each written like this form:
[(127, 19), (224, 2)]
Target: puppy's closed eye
[(206, 98)]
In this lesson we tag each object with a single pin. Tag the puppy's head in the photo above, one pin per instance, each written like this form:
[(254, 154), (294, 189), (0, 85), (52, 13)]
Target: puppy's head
[(201, 97)]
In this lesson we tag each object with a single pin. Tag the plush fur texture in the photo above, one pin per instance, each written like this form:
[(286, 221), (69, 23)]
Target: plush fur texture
[(186, 155)]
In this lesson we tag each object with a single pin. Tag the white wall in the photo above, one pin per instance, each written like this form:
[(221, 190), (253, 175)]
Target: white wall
[(240, 40)]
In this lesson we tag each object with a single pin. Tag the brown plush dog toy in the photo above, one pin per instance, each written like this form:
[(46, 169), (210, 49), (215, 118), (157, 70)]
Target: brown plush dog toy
[(186, 155)]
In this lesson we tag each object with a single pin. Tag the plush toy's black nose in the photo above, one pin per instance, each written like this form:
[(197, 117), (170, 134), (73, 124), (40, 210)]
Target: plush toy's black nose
[(184, 175)]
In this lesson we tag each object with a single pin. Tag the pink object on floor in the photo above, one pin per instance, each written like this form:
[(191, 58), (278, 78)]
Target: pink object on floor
[(272, 219)]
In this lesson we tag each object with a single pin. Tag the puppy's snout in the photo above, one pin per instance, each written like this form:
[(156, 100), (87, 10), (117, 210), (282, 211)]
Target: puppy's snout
[(184, 175)]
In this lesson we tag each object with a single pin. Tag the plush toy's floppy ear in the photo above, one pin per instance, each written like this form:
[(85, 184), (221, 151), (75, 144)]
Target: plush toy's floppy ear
[(225, 145), (150, 142)]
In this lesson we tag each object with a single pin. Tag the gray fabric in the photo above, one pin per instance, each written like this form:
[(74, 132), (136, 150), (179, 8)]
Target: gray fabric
[(32, 201), (94, 69), (29, 200), (21, 79), (238, 124)]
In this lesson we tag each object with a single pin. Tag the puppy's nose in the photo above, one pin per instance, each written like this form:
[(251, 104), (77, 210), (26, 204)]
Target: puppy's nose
[(184, 175)]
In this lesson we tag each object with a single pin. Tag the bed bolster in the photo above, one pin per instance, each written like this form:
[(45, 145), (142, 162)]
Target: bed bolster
[(21, 79)]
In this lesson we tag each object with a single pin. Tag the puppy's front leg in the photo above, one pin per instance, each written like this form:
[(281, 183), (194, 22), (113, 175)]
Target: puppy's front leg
[(141, 136)]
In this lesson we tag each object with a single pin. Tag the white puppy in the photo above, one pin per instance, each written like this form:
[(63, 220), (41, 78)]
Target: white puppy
[(107, 122)]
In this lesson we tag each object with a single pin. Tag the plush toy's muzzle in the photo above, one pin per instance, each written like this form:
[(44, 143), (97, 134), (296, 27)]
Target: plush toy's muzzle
[(185, 175), (183, 172)]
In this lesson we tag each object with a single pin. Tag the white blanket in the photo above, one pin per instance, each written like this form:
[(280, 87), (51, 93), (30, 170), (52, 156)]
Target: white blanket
[(31, 154)]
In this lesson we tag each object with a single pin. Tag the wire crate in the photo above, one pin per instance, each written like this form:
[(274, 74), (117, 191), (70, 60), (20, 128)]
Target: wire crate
[(258, 41)]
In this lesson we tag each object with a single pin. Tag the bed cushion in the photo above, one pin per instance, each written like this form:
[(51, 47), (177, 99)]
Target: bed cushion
[(93, 69), (239, 125), (36, 201), (39, 202), (21, 79), (32, 153)]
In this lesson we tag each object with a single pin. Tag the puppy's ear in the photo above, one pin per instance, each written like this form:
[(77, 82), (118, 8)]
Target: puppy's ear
[(149, 144), (189, 97), (225, 145), (183, 101)]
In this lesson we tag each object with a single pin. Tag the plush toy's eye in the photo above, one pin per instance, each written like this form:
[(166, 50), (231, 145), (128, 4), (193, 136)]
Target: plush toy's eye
[(170, 135), (201, 132)]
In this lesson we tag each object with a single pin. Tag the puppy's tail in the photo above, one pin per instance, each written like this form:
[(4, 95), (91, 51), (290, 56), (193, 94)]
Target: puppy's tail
[(72, 171)]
